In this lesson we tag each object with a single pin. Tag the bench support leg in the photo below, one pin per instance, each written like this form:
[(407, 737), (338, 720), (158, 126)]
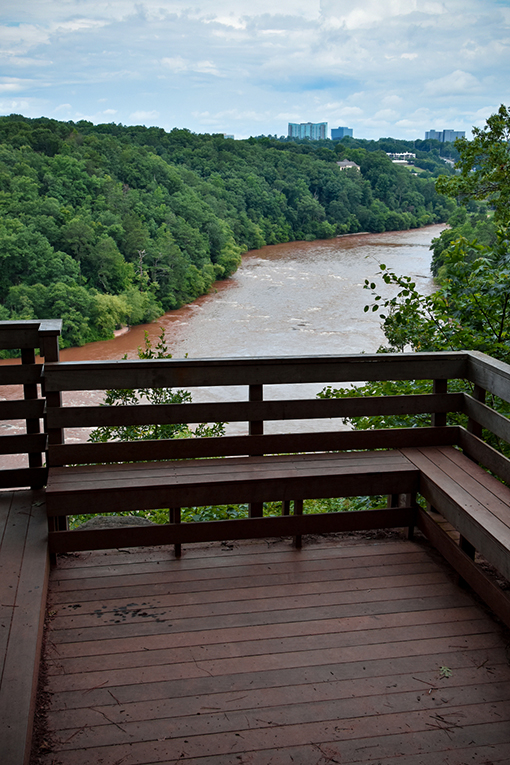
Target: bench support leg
[(175, 517), (298, 510), (256, 509), (57, 523), (405, 500), (470, 551)]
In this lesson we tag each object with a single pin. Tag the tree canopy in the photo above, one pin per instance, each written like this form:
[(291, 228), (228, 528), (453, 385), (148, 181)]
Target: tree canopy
[(103, 225)]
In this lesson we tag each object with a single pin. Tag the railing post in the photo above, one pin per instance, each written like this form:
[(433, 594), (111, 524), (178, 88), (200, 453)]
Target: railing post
[(256, 428), (32, 424), (50, 351), (439, 387), (298, 510), (473, 426), (175, 517)]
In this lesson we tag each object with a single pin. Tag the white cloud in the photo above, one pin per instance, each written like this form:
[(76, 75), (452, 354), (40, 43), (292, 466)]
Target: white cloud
[(175, 64), (453, 84), (405, 64), (140, 116), (15, 107)]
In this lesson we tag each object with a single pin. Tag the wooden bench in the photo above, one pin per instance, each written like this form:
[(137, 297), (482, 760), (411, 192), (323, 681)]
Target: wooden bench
[(195, 483), (474, 502), (252, 468)]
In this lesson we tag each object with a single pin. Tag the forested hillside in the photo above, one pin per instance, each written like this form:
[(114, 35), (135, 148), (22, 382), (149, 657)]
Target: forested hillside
[(107, 225)]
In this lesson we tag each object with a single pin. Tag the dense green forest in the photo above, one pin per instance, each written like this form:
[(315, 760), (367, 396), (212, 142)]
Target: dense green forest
[(105, 225)]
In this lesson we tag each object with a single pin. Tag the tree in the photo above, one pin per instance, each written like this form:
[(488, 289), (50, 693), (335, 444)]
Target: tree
[(471, 308), (484, 166), (155, 396)]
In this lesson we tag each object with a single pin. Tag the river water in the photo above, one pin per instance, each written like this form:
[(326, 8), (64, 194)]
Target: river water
[(294, 299), (289, 299)]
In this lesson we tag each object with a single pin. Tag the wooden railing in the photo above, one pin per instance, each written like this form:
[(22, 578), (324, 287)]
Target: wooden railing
[(486, 374), (255, 374), (29, 403)]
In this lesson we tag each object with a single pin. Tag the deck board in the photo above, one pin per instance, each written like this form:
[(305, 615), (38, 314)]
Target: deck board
[(24, 569), (257, 654)]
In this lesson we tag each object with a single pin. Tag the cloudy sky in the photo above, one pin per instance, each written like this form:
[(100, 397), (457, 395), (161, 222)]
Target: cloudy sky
[(248, 67)]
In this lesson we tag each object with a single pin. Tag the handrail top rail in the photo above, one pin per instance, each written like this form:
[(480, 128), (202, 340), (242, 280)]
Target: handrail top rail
[(259, 370), (266, 360), (42, 325)]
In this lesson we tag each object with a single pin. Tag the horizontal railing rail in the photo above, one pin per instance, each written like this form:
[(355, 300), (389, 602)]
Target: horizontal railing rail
[(186, 373), (232, 446), (240, 411)]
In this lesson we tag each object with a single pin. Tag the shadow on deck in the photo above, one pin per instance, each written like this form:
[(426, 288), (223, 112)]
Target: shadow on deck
[(347, 651)]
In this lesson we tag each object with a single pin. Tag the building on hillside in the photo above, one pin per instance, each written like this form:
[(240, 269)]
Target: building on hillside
[(401, 158), (313, 130), (228, 135), (340, 132), (444, 136), (346, 164)]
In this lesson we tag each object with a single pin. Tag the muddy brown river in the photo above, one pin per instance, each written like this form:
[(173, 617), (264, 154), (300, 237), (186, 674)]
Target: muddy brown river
[(293, 299)]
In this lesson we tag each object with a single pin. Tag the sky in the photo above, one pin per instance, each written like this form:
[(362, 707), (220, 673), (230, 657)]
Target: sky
[(249, 67)]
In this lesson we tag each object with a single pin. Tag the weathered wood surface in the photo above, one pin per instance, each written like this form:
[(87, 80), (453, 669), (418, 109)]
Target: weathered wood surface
[(185, 373), (193, 448), (257, 654), (21, 409), (249, 528), (28, 334), (23, 443), (28, 476), (17, 374), (239, 411), (487, 417), (489, 373), (486, 455), (204, 482), (24, 570), (446, 541), (474, 502)]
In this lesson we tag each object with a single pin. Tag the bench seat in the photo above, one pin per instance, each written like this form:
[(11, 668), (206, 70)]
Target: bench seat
[(192, 483), (476, 503)]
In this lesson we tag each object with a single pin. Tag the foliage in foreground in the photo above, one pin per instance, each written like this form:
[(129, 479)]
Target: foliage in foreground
[(471, 308), (155, 396), (232, 512)]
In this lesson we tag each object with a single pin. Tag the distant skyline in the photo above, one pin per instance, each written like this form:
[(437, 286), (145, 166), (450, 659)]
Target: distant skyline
[(383, 67)]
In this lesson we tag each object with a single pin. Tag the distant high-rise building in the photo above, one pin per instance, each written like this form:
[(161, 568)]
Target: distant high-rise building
[(444, 136), (340, 132), (313, 130)]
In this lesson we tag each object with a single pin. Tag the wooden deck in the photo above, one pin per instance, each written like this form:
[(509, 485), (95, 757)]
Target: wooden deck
[(24, 569), (258, 653)]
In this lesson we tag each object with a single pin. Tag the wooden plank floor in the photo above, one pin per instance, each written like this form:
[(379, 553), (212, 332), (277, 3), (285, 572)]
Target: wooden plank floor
[(24, 569), (258, 653)]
